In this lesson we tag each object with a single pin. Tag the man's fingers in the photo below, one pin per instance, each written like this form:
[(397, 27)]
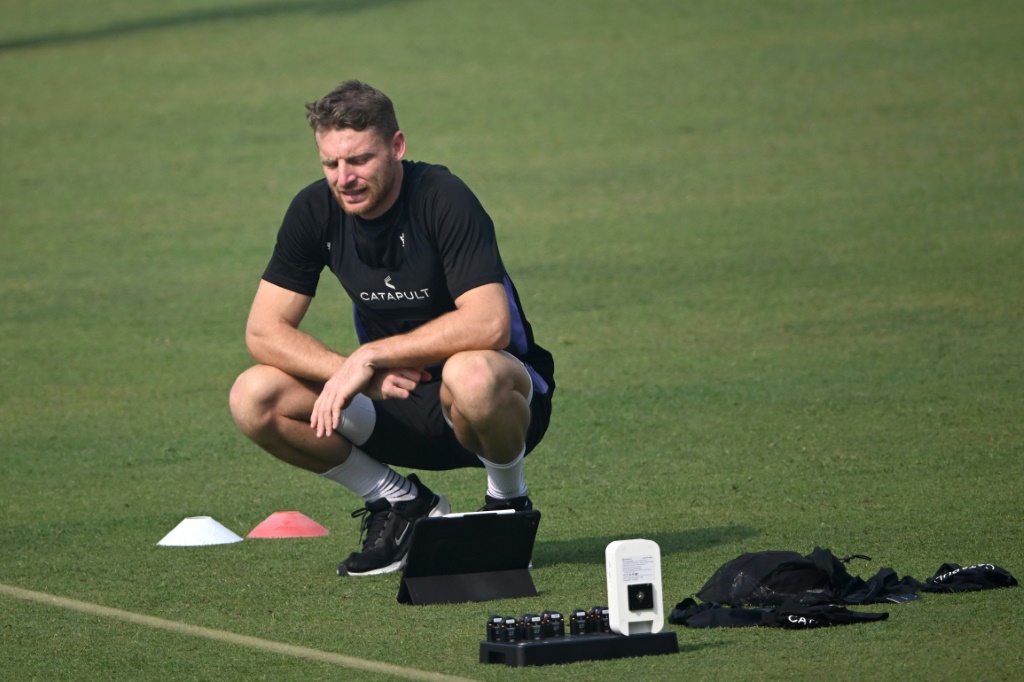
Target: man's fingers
[(326, 415), (314, 416), (401, 384), (317, 421)]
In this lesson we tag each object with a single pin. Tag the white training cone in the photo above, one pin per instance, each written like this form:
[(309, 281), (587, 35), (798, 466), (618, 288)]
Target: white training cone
[(199, 530)]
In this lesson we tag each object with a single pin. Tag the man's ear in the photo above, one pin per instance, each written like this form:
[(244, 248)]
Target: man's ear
[(398, 145)]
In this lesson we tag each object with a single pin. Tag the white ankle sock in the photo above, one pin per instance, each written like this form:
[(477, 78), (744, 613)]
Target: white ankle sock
[(505, 481), (370, 479)]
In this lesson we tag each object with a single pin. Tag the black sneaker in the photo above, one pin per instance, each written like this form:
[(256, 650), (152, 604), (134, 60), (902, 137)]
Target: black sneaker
[(517, 503), (386, 531)]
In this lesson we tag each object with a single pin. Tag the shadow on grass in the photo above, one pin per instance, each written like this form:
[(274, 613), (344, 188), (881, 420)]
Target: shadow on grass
[(591, 550), (258, 10)]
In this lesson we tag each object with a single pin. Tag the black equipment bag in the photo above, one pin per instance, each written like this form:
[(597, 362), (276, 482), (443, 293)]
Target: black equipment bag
[(771, 578)]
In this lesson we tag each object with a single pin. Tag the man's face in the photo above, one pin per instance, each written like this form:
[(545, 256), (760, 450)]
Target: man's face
[(363, 171)]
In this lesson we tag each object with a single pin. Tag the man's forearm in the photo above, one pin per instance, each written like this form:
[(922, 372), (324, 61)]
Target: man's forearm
[(481, 322), (438, 340), (294, 352)]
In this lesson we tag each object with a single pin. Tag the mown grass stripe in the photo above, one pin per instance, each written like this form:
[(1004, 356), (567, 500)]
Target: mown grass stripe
[(230, 637)]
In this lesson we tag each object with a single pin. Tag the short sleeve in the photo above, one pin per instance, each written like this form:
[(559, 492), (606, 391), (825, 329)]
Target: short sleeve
[(301, 250), (463, 231)]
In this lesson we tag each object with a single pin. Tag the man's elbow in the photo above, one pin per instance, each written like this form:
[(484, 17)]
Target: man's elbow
[(497, 335), (255, 342)]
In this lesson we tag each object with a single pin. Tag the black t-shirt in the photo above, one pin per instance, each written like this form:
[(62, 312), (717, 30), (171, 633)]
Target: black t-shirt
[(406, 267)]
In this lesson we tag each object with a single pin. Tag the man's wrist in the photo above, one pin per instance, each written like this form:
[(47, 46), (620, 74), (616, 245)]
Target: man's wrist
[(366, 356)]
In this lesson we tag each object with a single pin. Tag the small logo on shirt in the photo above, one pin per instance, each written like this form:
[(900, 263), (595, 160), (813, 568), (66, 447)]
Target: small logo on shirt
[(402, 237), (387, 282), (328, 246)]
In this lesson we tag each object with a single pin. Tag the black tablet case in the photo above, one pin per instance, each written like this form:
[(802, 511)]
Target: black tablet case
[(470, 557)]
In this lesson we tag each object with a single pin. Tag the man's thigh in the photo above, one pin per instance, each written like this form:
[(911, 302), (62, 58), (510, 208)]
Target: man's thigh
[(413, 433)]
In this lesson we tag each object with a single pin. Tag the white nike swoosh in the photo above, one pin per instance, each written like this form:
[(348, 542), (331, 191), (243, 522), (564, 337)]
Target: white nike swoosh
[(405, 530)]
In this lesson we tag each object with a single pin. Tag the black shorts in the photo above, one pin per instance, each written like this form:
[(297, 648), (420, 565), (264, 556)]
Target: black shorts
[(413, 432)]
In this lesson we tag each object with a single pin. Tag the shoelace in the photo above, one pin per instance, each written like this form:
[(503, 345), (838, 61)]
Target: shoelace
[(371, 525)]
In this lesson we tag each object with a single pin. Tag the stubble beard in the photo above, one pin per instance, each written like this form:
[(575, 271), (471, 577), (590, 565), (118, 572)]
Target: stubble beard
[(377, 188)]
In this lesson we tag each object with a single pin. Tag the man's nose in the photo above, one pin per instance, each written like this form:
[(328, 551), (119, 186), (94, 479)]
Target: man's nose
[(346, 175)]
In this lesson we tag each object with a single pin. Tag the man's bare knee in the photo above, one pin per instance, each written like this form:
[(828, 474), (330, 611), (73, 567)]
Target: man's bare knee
[(476, 383), (470, 373), (254, 396), (243, 401), (485, 393)]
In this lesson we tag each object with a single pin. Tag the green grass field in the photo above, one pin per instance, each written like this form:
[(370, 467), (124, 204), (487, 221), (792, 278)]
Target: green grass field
[(777, 249)]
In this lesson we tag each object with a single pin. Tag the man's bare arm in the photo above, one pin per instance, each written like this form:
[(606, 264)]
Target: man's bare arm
[(273, 337), (481, 321)]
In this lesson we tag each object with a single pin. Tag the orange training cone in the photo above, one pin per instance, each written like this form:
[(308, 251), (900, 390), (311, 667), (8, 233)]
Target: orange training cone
[(288, 524)]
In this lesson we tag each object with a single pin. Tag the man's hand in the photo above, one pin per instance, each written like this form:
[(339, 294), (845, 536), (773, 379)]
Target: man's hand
[(352, 378), (359, 375), (395, 383)]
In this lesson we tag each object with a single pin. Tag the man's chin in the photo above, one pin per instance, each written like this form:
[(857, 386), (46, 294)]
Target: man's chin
[(356, 208)]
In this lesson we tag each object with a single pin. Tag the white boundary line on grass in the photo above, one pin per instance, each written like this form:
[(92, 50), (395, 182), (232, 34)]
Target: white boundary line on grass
[(230, 637)]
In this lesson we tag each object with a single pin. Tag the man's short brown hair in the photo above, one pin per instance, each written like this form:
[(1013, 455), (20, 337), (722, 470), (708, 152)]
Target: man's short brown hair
[(355, 105)]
